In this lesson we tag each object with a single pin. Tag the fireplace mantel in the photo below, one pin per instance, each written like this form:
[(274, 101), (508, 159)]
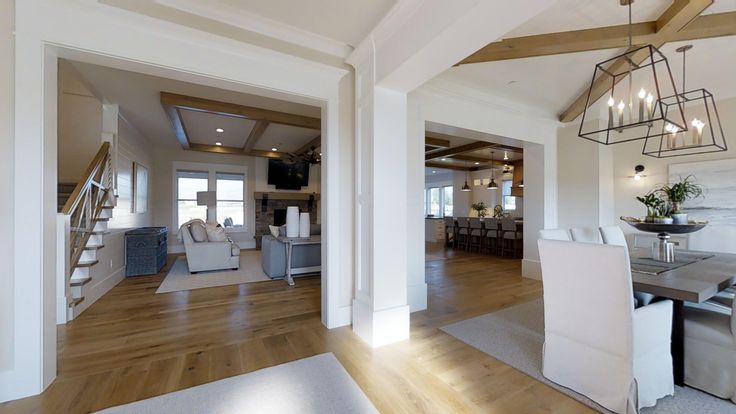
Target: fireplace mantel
[(285, 196)]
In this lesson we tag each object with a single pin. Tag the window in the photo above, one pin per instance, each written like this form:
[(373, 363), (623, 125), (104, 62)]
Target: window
[(188, 183), (447, 201), (508, 201), (438, 201), (230, 200), (228, 184), (434, 201)]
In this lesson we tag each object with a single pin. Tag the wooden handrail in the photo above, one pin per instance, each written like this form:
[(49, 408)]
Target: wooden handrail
[(89, 174)]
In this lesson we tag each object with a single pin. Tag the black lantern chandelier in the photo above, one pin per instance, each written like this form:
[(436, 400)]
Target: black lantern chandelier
[(705, 133), (633, 110), (492, 184)]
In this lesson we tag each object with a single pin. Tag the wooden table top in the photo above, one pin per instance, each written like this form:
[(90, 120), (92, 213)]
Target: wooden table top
[(694, 282)]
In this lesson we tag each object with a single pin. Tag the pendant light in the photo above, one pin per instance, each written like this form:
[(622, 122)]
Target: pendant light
[(465, 186), (632, 110), (492, 185), (705, 133)]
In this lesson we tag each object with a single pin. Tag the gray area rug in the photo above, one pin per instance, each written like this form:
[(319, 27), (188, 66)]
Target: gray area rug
[(318, 384), (515, 336)]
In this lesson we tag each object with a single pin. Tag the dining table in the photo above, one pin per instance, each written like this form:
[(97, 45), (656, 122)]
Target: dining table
[(698, 277)]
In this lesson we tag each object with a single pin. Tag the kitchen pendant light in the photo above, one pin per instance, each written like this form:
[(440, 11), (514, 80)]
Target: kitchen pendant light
[(465, 186), (492, 185), (634, 108), (705, 134)]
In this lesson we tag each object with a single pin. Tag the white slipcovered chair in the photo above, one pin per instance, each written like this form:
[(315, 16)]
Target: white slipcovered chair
[(205, 255), (586, 235), (614, 236), (596, 343), (710, 351), (554, 234)]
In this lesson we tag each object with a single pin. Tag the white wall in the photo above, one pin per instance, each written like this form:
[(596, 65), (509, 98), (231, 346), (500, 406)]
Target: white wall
[(627, 156), (256, 180), (80, 124), (6, 184), (577, 174)]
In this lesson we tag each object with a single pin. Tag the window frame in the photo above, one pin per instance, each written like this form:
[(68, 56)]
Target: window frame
[(504, 194), (442, 202), (211, 170)]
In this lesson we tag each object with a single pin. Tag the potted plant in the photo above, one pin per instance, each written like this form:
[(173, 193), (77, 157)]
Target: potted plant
[(481, 208), (498, 211), (653, 203), (678, 193)]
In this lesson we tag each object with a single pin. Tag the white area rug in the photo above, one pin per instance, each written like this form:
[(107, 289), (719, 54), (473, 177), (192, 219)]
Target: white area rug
[(179, 277), (318, 384), (515, 336)]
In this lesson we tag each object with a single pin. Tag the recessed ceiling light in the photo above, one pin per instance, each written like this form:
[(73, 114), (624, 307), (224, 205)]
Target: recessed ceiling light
[(443, 159), (274, 149), (434, 172), (477, 163), (218, 143), (219, 130)]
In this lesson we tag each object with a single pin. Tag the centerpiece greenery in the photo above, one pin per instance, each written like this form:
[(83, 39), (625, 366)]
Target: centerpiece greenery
[(664, 204), (497, 211), (481, 208)]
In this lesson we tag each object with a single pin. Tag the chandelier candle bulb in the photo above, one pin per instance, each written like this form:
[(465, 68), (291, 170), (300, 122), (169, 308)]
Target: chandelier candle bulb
[(611, 102), (621, 107), (642, 97), (650, 106)]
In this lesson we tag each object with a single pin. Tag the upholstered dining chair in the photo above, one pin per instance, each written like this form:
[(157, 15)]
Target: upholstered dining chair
[(597, 344), (475, 234), (463, 231), (492, 234), (585, 235), (449, 231), (510, 236), (710, 351), (613, 235), (554, 234)]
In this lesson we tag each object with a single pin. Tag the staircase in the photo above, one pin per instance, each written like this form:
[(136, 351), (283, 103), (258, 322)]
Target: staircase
[(86, 207)]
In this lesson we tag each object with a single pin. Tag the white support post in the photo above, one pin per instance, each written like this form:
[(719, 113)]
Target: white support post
[(380, 308)]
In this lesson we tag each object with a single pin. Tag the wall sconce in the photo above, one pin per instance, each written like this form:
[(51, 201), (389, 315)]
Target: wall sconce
[(638, 173)]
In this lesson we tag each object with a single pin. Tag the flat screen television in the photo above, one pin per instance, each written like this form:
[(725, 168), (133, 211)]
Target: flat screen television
[(288, 175)]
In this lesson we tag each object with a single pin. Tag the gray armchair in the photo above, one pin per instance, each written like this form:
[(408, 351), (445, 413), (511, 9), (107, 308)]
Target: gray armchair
[(206, 255)]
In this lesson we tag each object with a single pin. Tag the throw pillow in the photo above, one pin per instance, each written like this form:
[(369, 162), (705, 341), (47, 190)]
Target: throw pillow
[(216, 233), (282, 231), (199, 233), (274, 230)]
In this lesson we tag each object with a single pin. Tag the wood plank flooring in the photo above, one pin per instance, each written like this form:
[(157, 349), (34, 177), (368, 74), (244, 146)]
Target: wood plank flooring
[(133, 344)]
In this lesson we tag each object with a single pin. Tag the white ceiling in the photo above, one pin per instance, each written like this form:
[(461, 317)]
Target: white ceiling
[(139, 98), (345, 21), (551, 83)]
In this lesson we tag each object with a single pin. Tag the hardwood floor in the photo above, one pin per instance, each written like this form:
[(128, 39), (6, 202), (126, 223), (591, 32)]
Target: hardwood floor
[(133, 344)]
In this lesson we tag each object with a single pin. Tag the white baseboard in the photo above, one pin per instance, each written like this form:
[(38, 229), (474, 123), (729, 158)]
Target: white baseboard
[(382, 327), (97, 290), (531, 269), (344, 317), (417, 296)]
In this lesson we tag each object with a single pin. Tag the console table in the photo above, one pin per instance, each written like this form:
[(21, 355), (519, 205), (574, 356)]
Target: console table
[(292, 242)]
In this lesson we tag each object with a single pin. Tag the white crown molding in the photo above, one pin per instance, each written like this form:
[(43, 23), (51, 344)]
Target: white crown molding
[(259, 24)]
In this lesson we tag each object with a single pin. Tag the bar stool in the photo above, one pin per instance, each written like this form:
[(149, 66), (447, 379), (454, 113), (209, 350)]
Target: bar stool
[(463, 230), (450, 231), (510, 236), (492, 234), (475, 234)]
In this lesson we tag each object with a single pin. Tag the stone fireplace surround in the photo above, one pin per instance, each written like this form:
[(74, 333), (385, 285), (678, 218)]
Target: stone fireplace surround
[(267, 203)]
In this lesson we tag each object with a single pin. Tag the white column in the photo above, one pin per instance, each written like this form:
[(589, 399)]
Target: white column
[(417, 287), (380, 308)]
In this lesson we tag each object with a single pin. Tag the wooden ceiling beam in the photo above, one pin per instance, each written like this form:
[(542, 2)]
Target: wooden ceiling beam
[(255, 134), (674, 19), (179, 131), (315, 142), (473, 146), (610, 37), (436, 142), (433, 164), (218, 149), (241, 111)]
